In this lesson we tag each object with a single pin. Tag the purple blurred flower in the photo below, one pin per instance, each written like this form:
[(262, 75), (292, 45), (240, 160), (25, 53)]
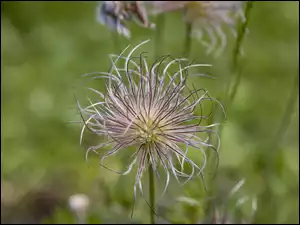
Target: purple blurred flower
[(114, 13)]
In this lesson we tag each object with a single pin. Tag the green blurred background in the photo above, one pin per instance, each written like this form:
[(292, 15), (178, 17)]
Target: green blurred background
[(47, 46)]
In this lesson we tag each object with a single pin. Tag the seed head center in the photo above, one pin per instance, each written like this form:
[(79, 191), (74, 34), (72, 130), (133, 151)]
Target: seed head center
[(148, 133)]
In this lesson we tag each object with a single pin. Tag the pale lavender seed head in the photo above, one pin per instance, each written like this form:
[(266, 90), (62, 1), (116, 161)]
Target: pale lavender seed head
[(153, 112)]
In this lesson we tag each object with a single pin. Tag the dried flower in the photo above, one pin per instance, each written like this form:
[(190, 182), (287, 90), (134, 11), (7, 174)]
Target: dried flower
[(114, 13), (152, 111), (207, 18)]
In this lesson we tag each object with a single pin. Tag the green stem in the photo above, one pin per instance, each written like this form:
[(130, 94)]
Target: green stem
[(115, 41), (158, 38), (81, 220), (188, 41), (276, 152), (230, 95), (152, 194), (241, 34), (236, 52), (289, 109)]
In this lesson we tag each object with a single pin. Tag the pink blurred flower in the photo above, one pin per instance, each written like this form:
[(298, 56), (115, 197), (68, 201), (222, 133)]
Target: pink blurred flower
[(208, 18)]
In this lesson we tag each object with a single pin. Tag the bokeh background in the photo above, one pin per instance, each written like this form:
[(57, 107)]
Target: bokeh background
[(47, 46)]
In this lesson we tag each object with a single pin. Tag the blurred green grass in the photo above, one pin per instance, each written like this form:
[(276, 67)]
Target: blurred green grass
[(47, 46)]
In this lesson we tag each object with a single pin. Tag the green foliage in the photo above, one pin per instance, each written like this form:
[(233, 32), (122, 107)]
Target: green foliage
[(47, 46)]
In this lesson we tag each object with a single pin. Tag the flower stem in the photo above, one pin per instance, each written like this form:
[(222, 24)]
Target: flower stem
[(187, 44), (230, 93), (152, 194), (229, 96), (237, 50), (115, 41), (289, 110), (158, 38)]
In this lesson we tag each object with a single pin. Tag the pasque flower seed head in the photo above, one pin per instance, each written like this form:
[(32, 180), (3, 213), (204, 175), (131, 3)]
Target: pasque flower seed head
[(151, 110)]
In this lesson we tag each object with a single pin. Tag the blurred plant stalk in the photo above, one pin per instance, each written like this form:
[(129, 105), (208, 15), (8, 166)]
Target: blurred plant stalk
[(188, 40), (237, 52), (158, 35), (289, 109), (229, 95)]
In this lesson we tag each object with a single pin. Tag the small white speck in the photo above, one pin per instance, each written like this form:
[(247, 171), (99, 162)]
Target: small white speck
[(79, 203)]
